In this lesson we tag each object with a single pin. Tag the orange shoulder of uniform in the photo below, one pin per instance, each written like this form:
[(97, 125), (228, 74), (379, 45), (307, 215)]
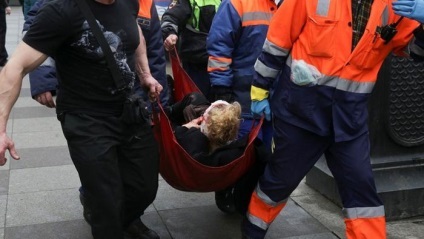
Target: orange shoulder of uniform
[(144, 10)]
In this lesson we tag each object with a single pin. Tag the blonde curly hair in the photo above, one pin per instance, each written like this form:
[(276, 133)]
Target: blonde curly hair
[(222, 122)]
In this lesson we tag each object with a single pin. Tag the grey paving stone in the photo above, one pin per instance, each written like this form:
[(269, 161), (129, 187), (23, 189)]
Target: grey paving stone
[(3, 202), (294, 221), (42, 157), (326, 235), (150, 208), (4, 182), (324, 211), (26, 102), (39, 139), (33, 112), (205, 222), (153, 221), (43, 179), (303, 190), (76, 229), (43, 207), (1, 233), (25, 92), (406, 229), (9, 127), (170, 198), (36, 125), (25, 82)]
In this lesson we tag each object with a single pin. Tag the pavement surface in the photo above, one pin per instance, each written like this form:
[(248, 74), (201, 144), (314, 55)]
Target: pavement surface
[(39, 193)]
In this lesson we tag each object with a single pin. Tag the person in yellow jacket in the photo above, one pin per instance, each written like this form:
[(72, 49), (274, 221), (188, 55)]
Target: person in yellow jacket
[(324, 56)]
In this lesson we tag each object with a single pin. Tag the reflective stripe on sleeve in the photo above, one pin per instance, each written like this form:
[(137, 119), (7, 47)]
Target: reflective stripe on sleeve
[(219, 63), (264, 70), (273, 49), (256, 18)]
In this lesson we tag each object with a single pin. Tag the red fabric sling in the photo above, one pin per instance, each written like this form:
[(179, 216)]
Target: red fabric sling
[(177, 167)]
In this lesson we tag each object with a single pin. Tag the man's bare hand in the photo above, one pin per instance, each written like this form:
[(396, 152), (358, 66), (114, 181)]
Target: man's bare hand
[(170, 42), (46, 99), (7, 144), (152, 85), (8, 10)]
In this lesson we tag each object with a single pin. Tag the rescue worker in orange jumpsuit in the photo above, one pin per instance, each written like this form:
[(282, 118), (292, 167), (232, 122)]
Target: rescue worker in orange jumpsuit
[(324, 56)]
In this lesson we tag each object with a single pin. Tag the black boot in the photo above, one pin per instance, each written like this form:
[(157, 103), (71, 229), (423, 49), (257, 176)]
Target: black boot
[(224, 200), (137, 230)]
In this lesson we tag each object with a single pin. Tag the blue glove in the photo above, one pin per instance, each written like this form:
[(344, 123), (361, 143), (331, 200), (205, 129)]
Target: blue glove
[(413, 9), (261, 107)]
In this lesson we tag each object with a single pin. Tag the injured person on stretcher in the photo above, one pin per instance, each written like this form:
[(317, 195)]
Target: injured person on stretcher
[(208, 132)]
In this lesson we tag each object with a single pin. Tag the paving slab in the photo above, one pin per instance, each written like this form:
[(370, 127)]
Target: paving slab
[(169, 198), (33, 112), (43, 179), (3, 202), (43, 207), (36, 125), (4, 182), (39, 139), (42, 157), (75, 229)]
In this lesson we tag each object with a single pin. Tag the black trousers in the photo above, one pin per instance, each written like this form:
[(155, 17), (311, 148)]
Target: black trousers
[(3, 28), (118, 167)]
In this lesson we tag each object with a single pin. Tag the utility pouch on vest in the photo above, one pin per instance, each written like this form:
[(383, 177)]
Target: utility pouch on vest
[(135, 110)]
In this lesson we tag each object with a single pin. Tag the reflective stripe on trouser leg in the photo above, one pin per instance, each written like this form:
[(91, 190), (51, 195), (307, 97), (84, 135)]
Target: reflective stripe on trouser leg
[(262, 210), (286, 168), (350, 164), (365, 223)]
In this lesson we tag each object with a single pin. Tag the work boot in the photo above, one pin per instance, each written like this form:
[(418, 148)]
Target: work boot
[(137, 230), (86, 213), (251, 231), (224, 200)]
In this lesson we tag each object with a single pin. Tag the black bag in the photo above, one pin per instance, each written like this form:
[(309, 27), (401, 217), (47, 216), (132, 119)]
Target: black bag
[(135, 110)]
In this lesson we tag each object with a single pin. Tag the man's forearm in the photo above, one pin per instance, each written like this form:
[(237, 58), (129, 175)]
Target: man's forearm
[(141, 63), (24, 60), (10, 85)]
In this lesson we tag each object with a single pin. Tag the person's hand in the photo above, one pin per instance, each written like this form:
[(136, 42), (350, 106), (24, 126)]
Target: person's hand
[(413, 9), (194, 123), (152, 85), (260, 108), (46, 99), (170, 42), (8, 10), (260, 104), (7, 144)]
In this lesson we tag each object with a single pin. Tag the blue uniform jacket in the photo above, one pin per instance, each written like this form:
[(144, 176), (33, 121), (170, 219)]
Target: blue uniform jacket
[(234, 43)]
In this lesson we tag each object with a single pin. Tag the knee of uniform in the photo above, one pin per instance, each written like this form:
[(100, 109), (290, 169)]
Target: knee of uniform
[(360, 192)]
